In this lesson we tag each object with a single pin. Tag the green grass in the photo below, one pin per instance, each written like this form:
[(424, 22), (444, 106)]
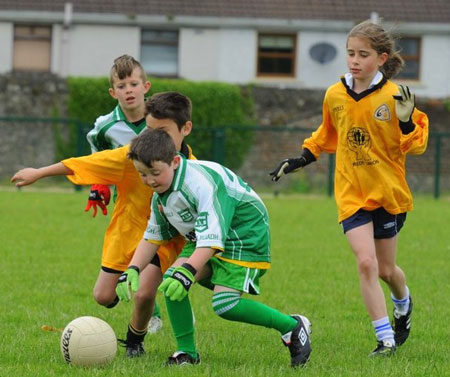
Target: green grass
[(50, 257)]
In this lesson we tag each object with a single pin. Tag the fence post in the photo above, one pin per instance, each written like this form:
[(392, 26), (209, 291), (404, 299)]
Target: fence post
[(218, 145), (437, 166), (331, 164)]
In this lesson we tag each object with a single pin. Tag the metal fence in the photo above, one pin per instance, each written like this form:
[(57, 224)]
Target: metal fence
[(37, 142)]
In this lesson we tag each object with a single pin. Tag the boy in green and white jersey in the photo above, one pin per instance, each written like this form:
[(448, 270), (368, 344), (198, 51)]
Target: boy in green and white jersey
[(228, 225)]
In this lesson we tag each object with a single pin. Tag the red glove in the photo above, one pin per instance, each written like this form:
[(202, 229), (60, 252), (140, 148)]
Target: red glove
[(99, 196)]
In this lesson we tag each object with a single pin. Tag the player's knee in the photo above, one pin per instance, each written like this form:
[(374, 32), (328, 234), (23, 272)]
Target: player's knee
[(104, 298), (386, 274), (367, 266), (225, 305), (142, 298)]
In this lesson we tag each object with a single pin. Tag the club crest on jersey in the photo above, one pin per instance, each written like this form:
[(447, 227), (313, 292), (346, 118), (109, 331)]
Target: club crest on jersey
[(186, 215), (201, 224), (382, 113)]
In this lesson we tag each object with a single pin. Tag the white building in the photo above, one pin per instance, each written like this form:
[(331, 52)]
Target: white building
[(292, 43)]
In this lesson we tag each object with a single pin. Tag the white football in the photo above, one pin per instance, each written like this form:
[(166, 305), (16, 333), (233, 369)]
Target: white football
[(88, 341)]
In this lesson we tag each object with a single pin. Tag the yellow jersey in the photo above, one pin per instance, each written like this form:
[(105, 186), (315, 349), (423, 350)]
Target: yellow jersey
[(363, 130), (132, 207)]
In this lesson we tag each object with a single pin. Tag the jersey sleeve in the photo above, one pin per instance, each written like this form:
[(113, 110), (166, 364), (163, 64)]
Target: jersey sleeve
[(324, 139), (105, 168), (416, 141), (96, 138), (158, 228)]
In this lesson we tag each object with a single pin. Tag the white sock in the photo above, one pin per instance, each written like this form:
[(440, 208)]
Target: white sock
[(383, 330), (401, 305)]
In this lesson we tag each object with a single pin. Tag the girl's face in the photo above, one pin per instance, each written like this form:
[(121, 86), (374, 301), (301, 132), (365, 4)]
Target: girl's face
[(362, 60)]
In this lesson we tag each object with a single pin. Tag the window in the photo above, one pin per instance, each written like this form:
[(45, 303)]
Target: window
[(410, 52), (159, 52), (276, 55), (32, 48)]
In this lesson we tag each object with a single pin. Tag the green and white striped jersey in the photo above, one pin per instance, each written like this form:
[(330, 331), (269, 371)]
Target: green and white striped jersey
[(112, 131), (212, 206)]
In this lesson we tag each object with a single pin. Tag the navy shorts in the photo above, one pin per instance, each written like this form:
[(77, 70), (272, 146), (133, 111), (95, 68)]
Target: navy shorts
[(385, 225)]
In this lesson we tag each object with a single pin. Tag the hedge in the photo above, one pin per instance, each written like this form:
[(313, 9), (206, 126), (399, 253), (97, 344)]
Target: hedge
[(215, 105)]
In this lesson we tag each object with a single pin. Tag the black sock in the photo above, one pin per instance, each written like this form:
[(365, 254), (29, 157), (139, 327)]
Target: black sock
[(135, 336)]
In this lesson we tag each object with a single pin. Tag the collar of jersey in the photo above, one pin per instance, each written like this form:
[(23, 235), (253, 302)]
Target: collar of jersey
[(178, 179), (376, 83), (118, 114)]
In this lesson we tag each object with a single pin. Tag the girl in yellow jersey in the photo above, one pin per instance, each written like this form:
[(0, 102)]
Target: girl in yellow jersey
[(371, 124)]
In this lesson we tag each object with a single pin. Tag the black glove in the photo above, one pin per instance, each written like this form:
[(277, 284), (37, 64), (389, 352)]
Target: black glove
[(289, 165), (286, 166)]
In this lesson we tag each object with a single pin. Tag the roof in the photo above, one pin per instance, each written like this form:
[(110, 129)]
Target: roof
[(429, 11)]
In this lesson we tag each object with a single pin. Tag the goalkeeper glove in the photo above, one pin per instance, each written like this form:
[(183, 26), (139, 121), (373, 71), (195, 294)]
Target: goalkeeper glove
[(99, 196), (128, 282), (289, 165), (177, 285), (404, 104)]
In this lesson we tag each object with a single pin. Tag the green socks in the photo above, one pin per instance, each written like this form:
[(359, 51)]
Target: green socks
[(180, 314), (231, 306)]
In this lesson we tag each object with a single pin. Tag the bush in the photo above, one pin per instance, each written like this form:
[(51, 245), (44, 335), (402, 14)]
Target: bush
[(215, 106)]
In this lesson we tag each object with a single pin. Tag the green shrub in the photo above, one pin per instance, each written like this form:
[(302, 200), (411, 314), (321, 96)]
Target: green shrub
[(215, 106)]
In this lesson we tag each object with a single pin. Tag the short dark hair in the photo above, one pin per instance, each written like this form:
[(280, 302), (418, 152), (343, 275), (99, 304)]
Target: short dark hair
[(123, 67), (152, 145), (170, 105)]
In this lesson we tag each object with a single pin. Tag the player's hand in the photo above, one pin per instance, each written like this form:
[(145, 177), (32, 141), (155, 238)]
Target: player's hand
[(128, 282), (176, 286), (404, 104), (25, 177), (100, 195), (287, 166)]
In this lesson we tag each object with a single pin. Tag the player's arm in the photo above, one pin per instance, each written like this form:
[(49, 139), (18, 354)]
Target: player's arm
[(28, 176), (129, 281)]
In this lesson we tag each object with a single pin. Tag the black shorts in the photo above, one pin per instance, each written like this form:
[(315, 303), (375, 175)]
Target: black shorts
[(385, 225)]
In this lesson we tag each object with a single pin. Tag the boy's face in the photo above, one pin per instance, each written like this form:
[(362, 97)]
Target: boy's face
[(171, 128), (130, 91), (159, 176)]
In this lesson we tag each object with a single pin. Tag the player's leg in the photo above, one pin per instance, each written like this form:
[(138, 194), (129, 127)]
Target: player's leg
[(144, 299), (181, 320), (386, 234), (360, 236), (231, 281), (105, 288)]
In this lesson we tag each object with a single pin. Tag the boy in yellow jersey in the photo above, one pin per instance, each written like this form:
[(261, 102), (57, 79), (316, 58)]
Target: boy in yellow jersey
[(228, 225), (371, 124), (171, 112)]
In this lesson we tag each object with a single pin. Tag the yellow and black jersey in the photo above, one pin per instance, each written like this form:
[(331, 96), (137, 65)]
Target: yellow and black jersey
[(132, 207), (363, 130)]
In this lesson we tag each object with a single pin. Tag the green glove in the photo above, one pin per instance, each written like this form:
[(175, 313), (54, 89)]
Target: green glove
[(128, 281), (177, 285), (404, 104)]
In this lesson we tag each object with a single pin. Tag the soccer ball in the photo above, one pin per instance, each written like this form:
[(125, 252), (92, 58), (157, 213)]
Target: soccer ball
[(88, 341)]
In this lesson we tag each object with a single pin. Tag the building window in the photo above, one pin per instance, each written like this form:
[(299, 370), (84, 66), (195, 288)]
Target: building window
[(32, 48), (159, 52), (410, 52), (276, 55)]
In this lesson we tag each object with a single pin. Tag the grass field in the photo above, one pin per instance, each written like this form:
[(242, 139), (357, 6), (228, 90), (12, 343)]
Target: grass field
[(50, 257)]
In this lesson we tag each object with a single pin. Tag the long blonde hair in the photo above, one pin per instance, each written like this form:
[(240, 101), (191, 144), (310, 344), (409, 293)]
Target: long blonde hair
[(381, 41)]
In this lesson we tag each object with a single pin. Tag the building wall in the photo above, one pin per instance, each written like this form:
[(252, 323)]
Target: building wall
[(312, 74), (92, 49), (222, 54), (435, 71), (6, 41)]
